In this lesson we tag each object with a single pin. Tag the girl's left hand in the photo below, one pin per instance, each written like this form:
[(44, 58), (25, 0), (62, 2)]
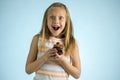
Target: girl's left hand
[(58, 58)]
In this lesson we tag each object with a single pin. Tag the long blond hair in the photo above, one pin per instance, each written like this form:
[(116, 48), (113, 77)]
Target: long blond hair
[(69, 41)]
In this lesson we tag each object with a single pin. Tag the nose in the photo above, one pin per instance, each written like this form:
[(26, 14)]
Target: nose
[(56, 20)]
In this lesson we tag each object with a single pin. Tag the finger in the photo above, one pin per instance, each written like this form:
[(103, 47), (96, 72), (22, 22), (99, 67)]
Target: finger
[(51, 58), (52, 55), (57, 55)]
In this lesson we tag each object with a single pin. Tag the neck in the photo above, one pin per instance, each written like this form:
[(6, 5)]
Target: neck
[(59, 36)]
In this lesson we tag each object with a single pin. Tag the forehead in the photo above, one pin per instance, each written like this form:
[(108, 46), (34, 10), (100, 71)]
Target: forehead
[(56, 10)]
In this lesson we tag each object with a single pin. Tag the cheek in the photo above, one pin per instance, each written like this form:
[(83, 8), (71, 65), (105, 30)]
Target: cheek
[(63, 24), (48, 23)]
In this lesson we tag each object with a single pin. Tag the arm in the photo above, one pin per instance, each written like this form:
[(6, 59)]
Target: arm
[(33, 64), (75, 68)]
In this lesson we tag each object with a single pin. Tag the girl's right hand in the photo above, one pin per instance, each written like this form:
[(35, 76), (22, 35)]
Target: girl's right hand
[(51, 52)]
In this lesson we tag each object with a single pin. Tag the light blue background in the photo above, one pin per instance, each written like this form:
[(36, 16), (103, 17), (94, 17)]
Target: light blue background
[(96, 28)]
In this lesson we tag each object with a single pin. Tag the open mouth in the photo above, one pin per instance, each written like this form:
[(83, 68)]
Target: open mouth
[(56, 28)]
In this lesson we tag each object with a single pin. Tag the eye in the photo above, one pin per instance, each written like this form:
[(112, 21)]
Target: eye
[(52, 17), (61, 17)]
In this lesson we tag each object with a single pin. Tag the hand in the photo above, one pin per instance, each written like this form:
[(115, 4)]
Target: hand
[(51, 52), (58, 58)]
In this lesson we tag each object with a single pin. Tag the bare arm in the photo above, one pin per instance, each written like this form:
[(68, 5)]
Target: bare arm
[(33, 64)]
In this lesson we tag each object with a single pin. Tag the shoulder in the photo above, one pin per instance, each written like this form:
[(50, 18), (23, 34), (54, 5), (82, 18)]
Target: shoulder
[(35, 38), (76, 49), (76, 45), (73, 42)]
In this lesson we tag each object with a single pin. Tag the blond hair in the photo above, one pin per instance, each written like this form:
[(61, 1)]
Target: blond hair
[(69, 41)]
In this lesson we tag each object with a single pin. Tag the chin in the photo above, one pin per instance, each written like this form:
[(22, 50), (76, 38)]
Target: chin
[(56, 35)]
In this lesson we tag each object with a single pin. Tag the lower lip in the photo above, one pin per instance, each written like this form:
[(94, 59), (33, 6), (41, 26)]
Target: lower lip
[(55, 30)]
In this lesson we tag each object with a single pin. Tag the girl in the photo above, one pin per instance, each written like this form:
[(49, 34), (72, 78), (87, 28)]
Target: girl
[(43, 59)]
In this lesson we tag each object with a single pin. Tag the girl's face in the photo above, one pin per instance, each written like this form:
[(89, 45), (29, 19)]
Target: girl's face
[(56, 19)]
